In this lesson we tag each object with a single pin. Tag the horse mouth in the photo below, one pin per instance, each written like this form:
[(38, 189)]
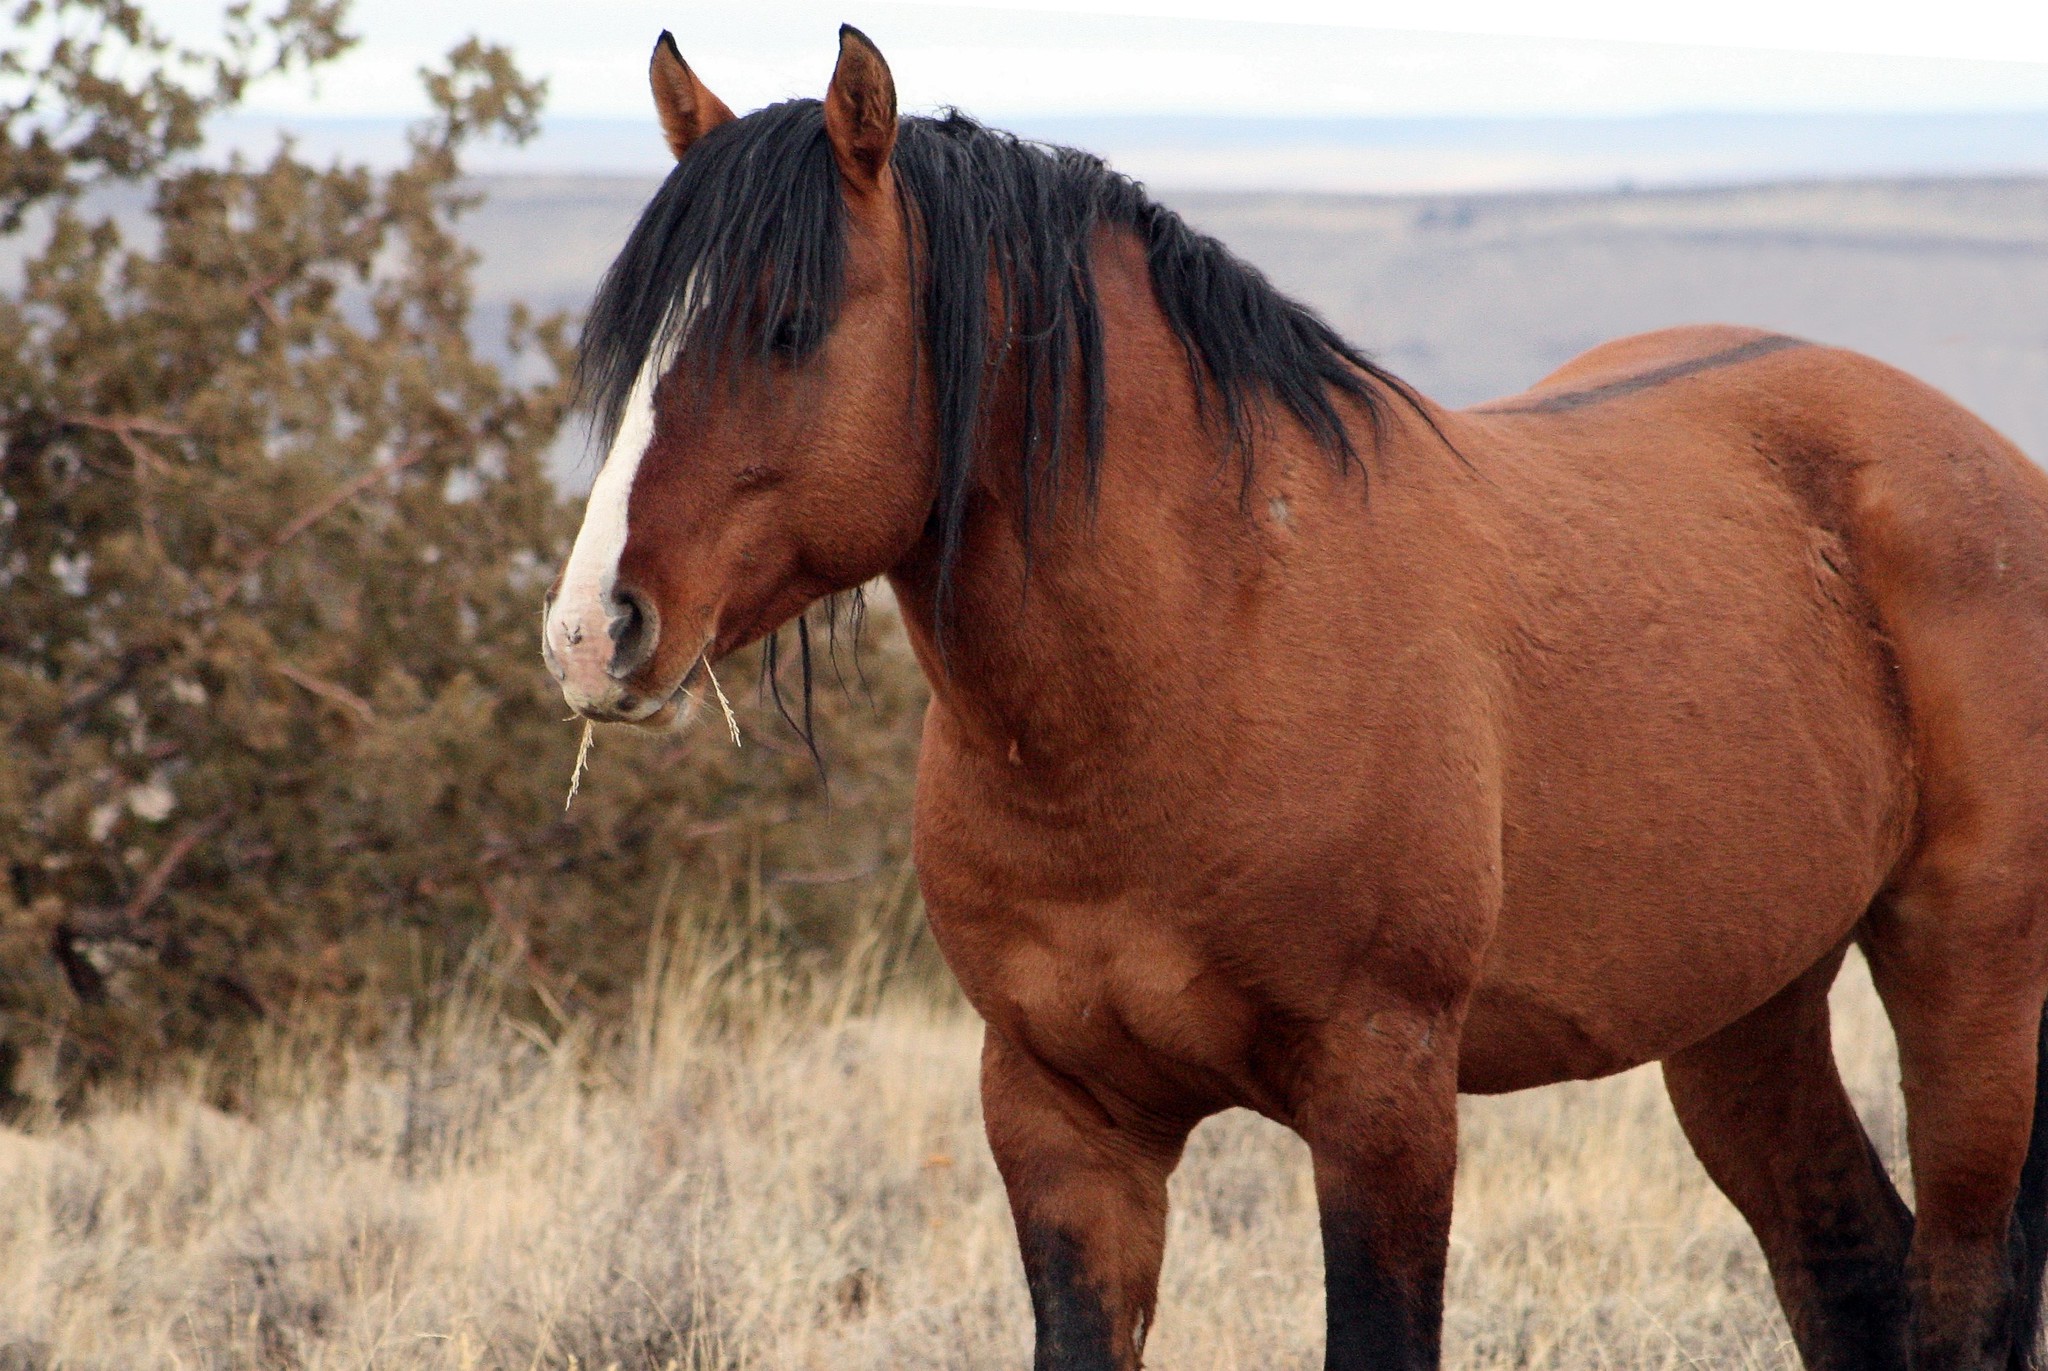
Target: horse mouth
[(672, 709), (678, 709)]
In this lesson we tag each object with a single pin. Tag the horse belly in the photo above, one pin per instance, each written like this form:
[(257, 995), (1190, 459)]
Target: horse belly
[(1696, 811), (1616, 948)]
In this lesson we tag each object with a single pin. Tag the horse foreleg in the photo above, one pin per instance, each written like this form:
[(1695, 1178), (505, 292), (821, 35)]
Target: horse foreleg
[(1763, 1105), (1088, 1194), (1381, 1122)]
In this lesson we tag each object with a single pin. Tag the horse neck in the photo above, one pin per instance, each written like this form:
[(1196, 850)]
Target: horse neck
[(1084, 644)]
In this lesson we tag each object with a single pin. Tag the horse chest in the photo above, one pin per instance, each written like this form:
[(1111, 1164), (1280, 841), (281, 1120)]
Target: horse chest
[(1108, 995)]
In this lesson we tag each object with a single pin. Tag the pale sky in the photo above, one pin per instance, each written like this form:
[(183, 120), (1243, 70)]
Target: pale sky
[(1309, 58)]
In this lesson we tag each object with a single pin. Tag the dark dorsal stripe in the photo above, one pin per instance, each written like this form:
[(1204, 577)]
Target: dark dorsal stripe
[(1648, 380)]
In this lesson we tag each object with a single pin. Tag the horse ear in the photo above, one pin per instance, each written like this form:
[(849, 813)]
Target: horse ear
[(687, 108), (860, 110)]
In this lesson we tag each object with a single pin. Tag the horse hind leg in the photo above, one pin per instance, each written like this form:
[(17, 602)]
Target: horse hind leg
[(2030, 1221), (1763, 1106), (1957, 957), (1946, 524)]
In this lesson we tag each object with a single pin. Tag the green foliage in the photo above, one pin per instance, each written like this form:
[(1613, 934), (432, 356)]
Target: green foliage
[(69, 116), (273, 539)]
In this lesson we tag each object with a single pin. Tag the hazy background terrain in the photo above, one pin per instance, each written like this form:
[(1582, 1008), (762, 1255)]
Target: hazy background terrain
[(1473, 194)]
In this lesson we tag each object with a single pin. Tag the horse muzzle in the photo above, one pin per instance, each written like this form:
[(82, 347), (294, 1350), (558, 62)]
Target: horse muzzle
[(594, 644)]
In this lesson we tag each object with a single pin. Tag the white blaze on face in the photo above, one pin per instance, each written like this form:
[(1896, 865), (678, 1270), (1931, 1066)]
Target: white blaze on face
[(578, 629)]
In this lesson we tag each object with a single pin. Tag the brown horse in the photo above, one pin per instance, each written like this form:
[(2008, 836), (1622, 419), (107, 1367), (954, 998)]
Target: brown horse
[(1301, 746)]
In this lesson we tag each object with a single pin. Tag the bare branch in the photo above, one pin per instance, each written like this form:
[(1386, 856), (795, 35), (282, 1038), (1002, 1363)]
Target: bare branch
[(152, 887), (129, 423), (124, 922), (327, 690), (259, 296), (125, 428), (340, 496)]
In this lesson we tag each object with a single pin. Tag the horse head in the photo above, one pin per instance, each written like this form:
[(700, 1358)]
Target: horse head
[(751, 354)]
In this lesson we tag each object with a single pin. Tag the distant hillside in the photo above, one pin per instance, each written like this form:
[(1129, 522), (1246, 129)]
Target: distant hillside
[(1475, 295)]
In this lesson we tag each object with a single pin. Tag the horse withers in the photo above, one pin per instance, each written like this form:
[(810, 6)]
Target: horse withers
[(1299, 745)]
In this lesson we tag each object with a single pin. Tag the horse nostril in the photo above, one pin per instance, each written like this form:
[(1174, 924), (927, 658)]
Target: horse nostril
[(634, 630)]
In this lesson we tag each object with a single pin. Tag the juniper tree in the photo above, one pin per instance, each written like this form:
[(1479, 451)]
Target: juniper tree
[(273, 537)]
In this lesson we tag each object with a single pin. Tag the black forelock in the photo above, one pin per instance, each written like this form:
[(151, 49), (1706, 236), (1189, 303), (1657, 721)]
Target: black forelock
[(750, 227), (746, 232)]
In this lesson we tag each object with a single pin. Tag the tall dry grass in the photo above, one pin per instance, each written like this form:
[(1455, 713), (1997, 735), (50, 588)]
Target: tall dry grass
[(787, 1172)]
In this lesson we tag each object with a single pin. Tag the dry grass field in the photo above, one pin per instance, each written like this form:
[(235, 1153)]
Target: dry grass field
[(777, 1174)]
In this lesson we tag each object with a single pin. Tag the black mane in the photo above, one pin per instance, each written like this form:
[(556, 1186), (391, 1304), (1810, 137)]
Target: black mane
[(750, 226)]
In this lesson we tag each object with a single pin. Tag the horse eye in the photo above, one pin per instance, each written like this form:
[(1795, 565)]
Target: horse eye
[(790, 337)]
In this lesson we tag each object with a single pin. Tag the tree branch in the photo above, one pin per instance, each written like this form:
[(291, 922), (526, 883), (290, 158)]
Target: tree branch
[(125, 428), (259, 295), (340, 496), (123, 922), (327, 690), (152, 887)]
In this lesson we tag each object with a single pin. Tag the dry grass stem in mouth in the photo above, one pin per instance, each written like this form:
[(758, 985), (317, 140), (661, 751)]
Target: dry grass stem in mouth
[(582, 760), (731, 722)]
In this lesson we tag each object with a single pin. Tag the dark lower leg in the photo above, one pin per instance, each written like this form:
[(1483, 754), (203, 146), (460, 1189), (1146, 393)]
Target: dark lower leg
[(1385, 1143), (1074, 1313), (1968, 1147), (1763, 1106), (1965, 1305), (1385, 1309), (2030, 1224), (1088, 1194)]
